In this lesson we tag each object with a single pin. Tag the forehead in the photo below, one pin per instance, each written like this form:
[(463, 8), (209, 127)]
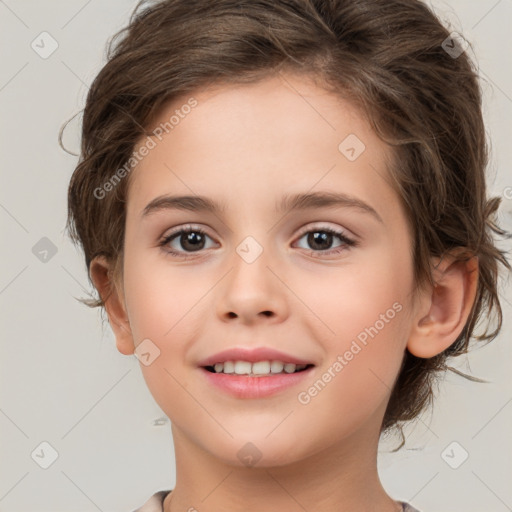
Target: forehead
[(245, 141)]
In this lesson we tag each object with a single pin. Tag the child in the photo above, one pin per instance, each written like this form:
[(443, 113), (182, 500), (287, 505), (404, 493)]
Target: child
[(224, 144)]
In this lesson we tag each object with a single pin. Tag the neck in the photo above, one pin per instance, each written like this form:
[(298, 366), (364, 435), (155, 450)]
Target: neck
[(341, 479)]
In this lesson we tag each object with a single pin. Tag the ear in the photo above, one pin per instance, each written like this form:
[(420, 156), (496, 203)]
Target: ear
[(444, 308), (101, 273)]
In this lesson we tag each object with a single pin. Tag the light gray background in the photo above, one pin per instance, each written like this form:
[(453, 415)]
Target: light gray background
[(62, 379)]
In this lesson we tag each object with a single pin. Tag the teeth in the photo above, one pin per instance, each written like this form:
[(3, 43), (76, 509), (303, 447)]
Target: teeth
[(276, 367), (242, 367), (290, 368), (263, 367), (229, 367), (259, 368)]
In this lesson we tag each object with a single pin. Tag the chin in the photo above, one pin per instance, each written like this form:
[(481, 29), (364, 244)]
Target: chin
[(259, 452)]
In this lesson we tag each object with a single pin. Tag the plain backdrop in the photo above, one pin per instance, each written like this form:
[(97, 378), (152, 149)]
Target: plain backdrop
[(64, 384)]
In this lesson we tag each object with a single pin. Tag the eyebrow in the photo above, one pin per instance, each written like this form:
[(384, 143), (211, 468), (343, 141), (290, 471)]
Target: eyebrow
[(288, 203)]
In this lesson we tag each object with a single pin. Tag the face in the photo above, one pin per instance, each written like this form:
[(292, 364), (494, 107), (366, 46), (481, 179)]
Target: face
[(328, 283)]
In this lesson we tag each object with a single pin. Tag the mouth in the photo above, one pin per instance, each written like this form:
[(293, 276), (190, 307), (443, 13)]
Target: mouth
[(258, 380), (257, 369)]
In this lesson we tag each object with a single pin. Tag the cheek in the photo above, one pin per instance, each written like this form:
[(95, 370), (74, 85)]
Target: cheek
[(362, 358), (161, 300), (165, 309), (364, 319), (351, 298)]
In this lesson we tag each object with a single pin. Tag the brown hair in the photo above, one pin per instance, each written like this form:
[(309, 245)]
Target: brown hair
[(388, 57)]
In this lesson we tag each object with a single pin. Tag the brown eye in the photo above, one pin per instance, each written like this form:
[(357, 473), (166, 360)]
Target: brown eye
[(185, 241), (191, 240), (322, 239)]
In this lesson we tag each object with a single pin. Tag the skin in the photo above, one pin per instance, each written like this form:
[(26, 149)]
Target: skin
[(246, 146)]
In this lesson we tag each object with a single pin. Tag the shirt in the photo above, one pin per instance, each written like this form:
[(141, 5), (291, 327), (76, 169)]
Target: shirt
[(156, 504)]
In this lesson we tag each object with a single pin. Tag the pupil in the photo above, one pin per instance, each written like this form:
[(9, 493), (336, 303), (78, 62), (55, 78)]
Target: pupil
[(193, 238), (317, 237)]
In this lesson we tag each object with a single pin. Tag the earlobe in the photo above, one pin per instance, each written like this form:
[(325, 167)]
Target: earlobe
[(100, 271), (445, 308)]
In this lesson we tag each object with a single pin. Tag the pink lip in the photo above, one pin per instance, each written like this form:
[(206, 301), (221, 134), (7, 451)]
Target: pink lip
[(251, 355), (244, 386)]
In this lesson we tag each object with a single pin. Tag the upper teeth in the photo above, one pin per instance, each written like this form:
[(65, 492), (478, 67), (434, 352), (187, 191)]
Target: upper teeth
[(259, 368)]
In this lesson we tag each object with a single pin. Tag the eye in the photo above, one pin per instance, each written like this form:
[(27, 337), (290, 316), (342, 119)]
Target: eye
[(321, 238), (190, 238)]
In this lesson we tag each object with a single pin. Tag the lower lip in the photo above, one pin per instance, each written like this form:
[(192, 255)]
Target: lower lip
[(243, 386)]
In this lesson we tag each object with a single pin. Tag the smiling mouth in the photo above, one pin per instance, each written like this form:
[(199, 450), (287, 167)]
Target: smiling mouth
[(259, 369)]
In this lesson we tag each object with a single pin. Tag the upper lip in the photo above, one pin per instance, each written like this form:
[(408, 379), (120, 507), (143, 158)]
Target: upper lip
[(252, 355)]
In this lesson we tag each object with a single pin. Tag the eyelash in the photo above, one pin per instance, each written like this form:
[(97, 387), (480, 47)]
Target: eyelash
[(348, 242)]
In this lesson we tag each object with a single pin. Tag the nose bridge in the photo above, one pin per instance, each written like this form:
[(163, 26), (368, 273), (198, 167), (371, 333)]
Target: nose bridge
[(251, 287), (251, 262)]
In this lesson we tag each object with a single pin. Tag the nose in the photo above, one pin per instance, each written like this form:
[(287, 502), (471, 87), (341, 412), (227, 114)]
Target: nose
[(252, 291)]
